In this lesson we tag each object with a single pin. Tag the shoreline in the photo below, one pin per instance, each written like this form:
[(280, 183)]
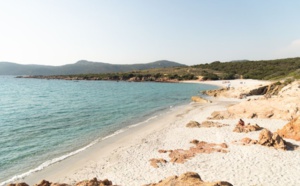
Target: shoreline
[(104, 140), (124, 158), (105, 147)]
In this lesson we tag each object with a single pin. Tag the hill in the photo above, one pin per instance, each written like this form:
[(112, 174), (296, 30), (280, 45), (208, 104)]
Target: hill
[(263, 69), (80, 67)]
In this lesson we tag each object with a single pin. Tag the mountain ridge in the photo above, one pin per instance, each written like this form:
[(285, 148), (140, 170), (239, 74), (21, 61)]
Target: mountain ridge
[(80, 67)]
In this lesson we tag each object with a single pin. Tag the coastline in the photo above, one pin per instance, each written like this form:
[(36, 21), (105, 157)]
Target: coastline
[(124, 158), (101, 152)]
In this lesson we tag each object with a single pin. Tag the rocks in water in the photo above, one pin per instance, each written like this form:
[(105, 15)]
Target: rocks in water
[(156, 162), (207, 124), (291, 130), (193, 124), (181, 156), (188, 179), (241, 127), (199, 99)]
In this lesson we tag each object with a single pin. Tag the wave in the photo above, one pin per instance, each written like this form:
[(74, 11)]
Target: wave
[(58, 159)]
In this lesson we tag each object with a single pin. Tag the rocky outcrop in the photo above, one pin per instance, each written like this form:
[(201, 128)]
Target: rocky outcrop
[(181, 156), (242, 92), (272, 89), (283, 106), (241, 127), (188, 179), (291, 130), (156, 162), (216, 93), (199, 99), (269, 139)]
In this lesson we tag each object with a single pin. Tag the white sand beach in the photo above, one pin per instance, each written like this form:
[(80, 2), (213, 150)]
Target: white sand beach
[(124, 158)]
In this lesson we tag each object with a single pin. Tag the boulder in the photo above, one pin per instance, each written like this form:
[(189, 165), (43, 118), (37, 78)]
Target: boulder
[(291, 130), (94, 182), (269, 139), (43, 183), (188, 179), (199, 99), (193, 124), (265, 138)]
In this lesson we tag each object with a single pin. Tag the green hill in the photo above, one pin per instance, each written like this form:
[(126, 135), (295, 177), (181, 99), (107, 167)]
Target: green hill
[(264, 69), (80, 67)]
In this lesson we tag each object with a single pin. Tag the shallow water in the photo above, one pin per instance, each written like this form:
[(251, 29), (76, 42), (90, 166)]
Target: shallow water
[(43, 121)]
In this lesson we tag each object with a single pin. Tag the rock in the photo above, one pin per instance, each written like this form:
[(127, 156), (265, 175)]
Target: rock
[(193, 124), (94, 182), (247, 128), (212, 124), (284, 105), (248, 141), (155, 162), (188, 179), (278, 142), (162, 151), (18, 184), (269, 139), (42, 183), (291, 130), (241, 122), (265, 138), (181, 156), (199, 99), (195, 142)]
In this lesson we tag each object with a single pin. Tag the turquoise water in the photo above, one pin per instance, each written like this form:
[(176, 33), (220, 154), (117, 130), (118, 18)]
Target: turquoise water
[(44, 121)]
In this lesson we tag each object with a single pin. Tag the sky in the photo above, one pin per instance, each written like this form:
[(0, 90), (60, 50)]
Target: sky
[(191, 32)]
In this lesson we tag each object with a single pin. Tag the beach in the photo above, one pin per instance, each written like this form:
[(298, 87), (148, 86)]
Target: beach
[(125, 157)]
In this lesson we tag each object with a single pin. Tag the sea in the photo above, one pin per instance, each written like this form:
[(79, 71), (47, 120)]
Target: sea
[(45, 121)]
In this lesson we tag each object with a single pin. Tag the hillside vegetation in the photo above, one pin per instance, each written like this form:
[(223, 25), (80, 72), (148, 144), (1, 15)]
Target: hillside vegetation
[(265, 69)]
